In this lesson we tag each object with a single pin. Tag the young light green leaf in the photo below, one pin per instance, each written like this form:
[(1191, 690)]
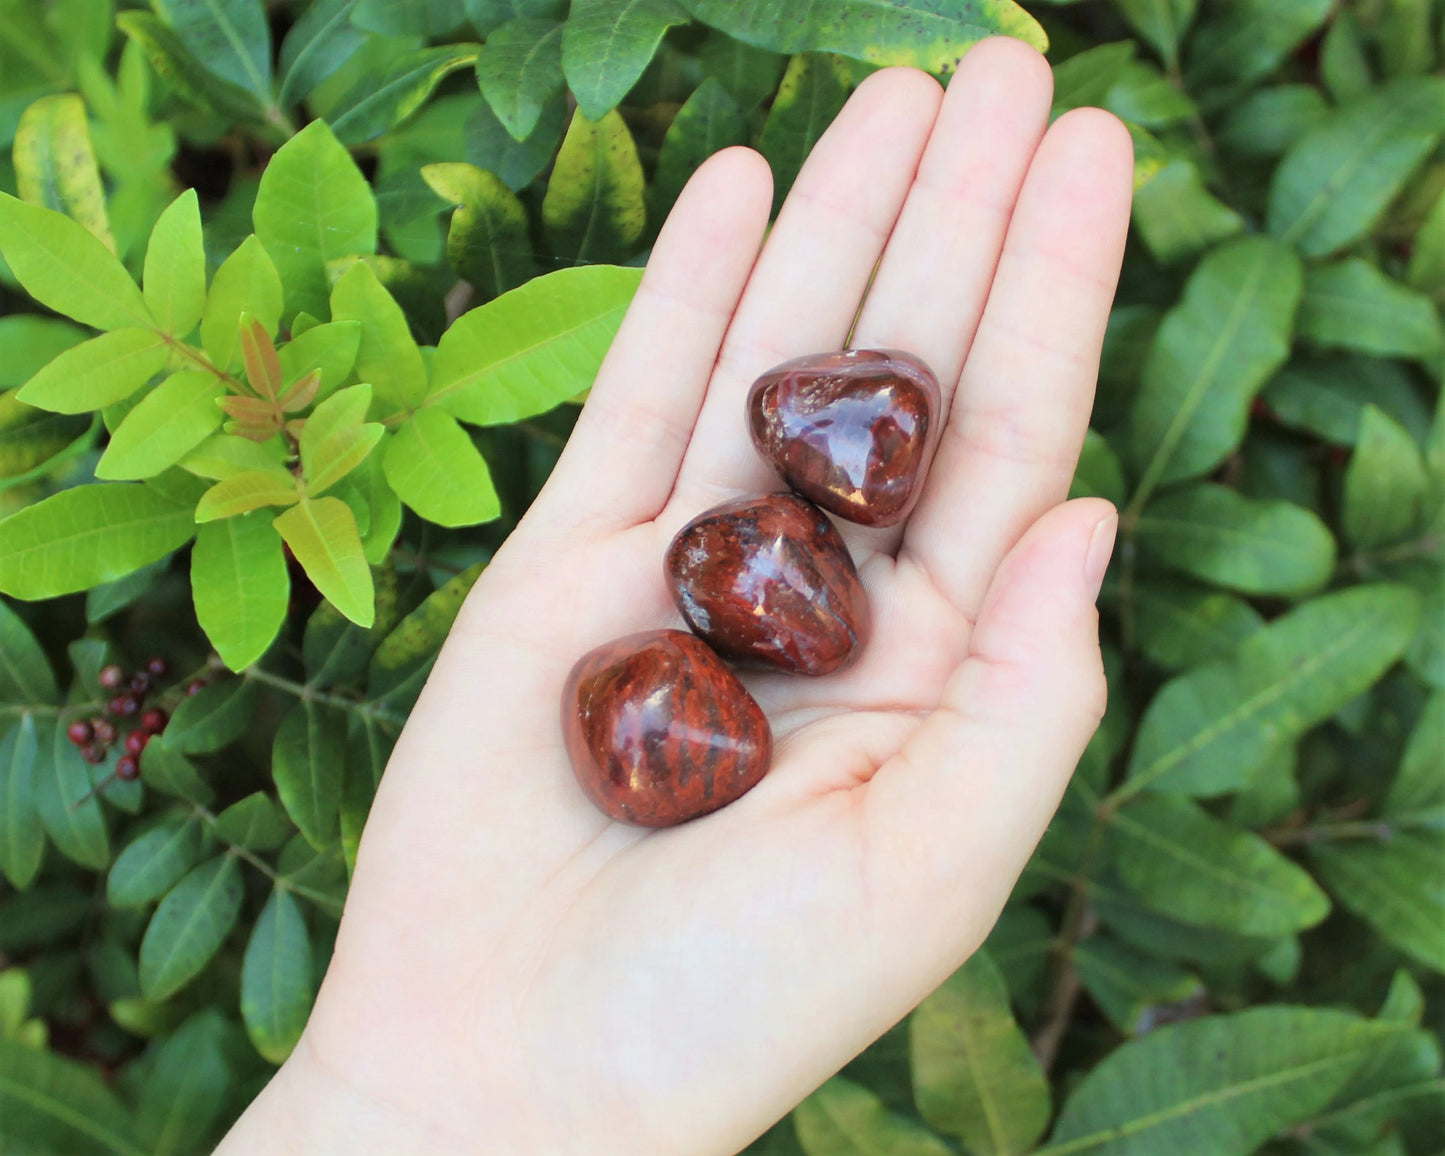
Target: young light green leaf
[(1212, 354), (919, 33), (22, 838), (276, 985), (1223, 1084), (388, 357), (1385, 482), (1161, 23), (385, 509), (154, 863), (519, 69), (845, 1119), (1128, 985), (1177, 216), (322, 535), (25, 674), (595, 208), (435, 469), (1332, 186), (488, 243), (607, 44), (335, 439), (231, 38), (98, 372), (86, 536), (307, 761), (189, 926), (1211, 730), (246, 491), (1353, 305), (1244, 41), (974, 1075), (225, 455), (329, 349), (378, 104), (1256, 547), (1181, 625), (533, 348), (709, 121), (1178, 859), (175, 267), (167, 424), (246, 282), (254, 823), (58, 1105), (318, 44), (66, 802), (404, 659), (240, 585), (214, 717), (312, 206), (813, 90), (1395, 885), (55, 163)]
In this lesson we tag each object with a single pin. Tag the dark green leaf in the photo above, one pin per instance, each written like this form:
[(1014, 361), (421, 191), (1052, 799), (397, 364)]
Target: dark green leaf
[(1327, 396), (595, 208), (154, 863), (216, 716), (318, 44), (492, 147), (487, 15), (813, 90), (189, 926), (1269, 121), (519, 70), (240, 586), (424, 18), (708, 122), (22, 839), (1177, 216), (1246, 40), (25, 674), (60, 1106), (186, 75), (1129, 986), (1394, 885), (607, 44), (1161, 23), (173, 774), (749, 75), (1385, 484), (1418, 791), (1181, 625), (254, 824), (307, 764), (1352, 305), (229, 37), (378, 104), (186, 1086), (66, 801), (276, 983)]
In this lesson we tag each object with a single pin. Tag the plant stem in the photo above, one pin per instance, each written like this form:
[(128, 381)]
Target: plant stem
[(1381, 830), (300, 690), (320, 898)]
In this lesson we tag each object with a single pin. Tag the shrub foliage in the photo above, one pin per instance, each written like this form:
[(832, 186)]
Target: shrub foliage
[(299, 302)]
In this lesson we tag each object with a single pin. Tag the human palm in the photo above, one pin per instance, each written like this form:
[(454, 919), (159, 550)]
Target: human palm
[(516, 973)]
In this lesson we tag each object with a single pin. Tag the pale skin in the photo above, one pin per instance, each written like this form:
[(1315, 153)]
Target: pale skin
[(520, 976)]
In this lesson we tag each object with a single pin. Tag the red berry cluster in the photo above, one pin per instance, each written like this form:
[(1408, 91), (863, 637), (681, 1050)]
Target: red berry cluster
[(95, 736)]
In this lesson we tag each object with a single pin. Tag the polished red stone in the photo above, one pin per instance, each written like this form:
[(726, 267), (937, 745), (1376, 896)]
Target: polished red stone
[(768, 579), (660, 731), (852, 431)]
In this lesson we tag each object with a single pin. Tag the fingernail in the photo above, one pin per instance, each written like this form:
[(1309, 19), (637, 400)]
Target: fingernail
[(1101, 549)]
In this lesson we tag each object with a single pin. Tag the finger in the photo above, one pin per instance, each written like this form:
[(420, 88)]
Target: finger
[(1018, 419), (953, 818), (622, 458), (934, 278), (804, 293)]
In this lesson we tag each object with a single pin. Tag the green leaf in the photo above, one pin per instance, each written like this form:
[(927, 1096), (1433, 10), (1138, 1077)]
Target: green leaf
[(388, 357), (1327, 396), (595, 207), (402, 662), (926, 34), (87, 536), (434, 468), (1211, 730), (1267, 122), (533, 348), (492, 147), (1426, 656), (22, 839), (845, 1119), (312, 206), (214, 717), (1344, 67), (98, 372), (1426, 271), (167, 424), (1212, 354), (186, 75), (276, 985), (1419, 788), (519, 69), (368, 748), (749, 75), (974, 1075), (240, 585), (488, 243), (246, 282), (318, 44), (708, 122), (255, 823), (1352, 305), (1160, 23), (1333, 185), (322, 535), (189, 926), (337, 438), (1396, 886), (378, 104), (328, 349), (224, 456), (813, 90), (29, 341), (1177, 216), (1178, 859), (489, 15), (154, 863), (186, 1086), (57, 1105), (607, 44), (1129, 986), (1221, 1085), (307, 762), (1248, 39), (1181, 625), (1256, 547), (55, 163), (1385, 483), (25, 674), (173, 774), (246, 491), (1086, 77), (384, 507), (67, 804), (175, 267), (229, 37)]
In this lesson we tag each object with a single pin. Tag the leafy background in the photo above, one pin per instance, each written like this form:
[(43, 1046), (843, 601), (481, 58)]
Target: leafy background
[(298, 301)]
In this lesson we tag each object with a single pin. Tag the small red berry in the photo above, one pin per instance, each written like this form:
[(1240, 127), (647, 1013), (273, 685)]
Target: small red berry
[(80, 733), (140, 683), (112, 677), (154, 720), (124, 705), (127, 768), (135, 742), (104, 730), (93, 755), (157, 666), (197, 686)]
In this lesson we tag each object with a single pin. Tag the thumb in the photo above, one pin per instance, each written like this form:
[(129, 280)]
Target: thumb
[(955, 815)]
